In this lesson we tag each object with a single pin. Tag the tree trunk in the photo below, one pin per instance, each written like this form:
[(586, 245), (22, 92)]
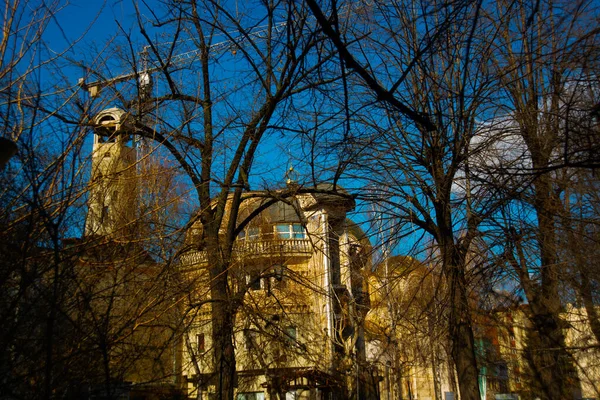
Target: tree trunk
[(460, 325), (552, 364), (223, 317), (461, 336), (223, 312)]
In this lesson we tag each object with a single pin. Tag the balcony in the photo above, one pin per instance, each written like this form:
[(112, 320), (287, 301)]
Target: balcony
[(287, 250), (194, 258), (244, 249)]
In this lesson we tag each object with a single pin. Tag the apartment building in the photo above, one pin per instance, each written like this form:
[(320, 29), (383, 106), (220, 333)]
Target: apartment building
[(297, 270)]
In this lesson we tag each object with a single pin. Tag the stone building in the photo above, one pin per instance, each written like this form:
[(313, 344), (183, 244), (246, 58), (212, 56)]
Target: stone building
[(298, 273), (405, 329)]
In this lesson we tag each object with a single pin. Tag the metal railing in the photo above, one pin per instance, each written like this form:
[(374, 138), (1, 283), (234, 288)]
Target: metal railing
[(248, 249)]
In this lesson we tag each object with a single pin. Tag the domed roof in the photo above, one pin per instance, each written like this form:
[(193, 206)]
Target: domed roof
[(112, 120), (291, 209), (280, 211)]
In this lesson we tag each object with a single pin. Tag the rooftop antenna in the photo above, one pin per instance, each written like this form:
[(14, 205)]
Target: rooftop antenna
[(291, 177)]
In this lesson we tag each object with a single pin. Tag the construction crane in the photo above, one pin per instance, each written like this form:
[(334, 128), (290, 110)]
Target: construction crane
[(148, 68), (235, 41)]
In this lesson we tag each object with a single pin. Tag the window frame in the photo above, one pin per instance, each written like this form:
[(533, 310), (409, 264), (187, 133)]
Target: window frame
[(291, 334), (290, 231), (250, 233), (250, 396), (200, 343), (254, 280)]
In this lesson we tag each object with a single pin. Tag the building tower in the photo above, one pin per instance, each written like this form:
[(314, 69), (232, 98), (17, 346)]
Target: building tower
[(112, 193)]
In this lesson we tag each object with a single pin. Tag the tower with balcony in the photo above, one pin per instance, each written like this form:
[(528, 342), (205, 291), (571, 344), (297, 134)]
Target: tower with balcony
[(112, 191), (119, 280)]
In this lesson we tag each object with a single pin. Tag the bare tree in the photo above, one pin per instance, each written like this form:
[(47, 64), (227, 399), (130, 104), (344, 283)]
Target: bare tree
[(544, 52), (425, 65), (405, 322), (225, 78), (72, 322), (40, 187)]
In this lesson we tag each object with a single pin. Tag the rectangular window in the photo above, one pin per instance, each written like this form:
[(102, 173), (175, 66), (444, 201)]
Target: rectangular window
[(290, 334), (249, 340), (253, 280), (251, 396), (104, 216), (279, 279), (291, 231), (200, 342), (252, 233), (291, 395), (298, 231)]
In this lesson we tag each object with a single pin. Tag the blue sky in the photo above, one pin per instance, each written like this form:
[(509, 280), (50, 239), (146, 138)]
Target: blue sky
[(98, 16)]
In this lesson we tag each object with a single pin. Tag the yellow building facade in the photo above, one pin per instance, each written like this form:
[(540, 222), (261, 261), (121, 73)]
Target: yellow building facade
[(112, 190), (298, 271)]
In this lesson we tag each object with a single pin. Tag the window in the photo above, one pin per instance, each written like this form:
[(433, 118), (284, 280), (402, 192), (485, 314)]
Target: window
[(104, 216), (291, 395), (252, 233), (279, 280), (249, 340), (290, 334), (253, 280), (200, 342), (251, 396), (290, 231), (106, 137)]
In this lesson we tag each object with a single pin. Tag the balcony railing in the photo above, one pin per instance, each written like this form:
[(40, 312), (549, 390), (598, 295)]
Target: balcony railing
[(194, 257), (273, 247), (252, 249)]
